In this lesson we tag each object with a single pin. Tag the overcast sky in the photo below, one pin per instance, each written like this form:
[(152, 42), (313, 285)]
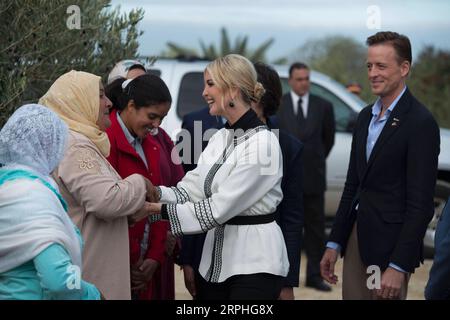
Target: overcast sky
[(289, 22)]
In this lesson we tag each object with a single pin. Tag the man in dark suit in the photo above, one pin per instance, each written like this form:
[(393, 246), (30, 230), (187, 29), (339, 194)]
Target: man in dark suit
[(438, 286), (387, 201), (310, 119), (200, 126)]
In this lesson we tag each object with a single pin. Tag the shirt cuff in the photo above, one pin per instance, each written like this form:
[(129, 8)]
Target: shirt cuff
[(158, 189), (396, 267), (154, 218), (334, 245)]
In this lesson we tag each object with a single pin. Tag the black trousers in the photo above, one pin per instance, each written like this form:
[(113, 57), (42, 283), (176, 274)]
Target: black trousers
[(258, 286), (314, 234)]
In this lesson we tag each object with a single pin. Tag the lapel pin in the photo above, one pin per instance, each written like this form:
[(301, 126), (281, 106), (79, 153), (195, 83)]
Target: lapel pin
[(394, 123)]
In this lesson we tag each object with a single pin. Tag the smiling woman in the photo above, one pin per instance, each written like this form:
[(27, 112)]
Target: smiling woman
[(139, 146), (142, 103), (232, 194), (99, 201)]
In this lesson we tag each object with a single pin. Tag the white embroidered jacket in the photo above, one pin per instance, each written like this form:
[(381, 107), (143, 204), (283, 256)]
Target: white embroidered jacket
[(237, 175)]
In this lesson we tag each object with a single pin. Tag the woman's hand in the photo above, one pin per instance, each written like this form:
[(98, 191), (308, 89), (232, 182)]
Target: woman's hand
[(137, 279), (148, 268), (189, 279), (154, 208), (140, 214), (146, 210), (142, 273), (152, 193)]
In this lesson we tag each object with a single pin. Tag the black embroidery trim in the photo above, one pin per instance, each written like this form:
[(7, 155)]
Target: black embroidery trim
[(175, 224), (180, 194), (204, 215)]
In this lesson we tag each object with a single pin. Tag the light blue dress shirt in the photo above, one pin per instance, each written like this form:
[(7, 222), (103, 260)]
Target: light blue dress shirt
[(136, 143), (377, 124), (375, 127)]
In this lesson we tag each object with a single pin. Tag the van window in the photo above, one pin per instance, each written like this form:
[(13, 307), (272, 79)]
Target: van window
[(343, 114), (190, 94)]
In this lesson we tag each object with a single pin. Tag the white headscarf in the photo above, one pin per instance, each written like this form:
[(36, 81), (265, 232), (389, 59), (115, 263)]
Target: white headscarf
[(35, 137), (32, 216)]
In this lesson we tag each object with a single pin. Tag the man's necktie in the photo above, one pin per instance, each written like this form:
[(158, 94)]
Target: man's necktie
[(300, 115)]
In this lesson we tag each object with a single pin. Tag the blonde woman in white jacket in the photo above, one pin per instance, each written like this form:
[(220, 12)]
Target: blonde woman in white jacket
[(233, 193)]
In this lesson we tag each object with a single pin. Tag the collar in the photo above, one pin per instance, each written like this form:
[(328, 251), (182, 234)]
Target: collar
[(295, 97), (249, 120), (127, 133), (376, 108)]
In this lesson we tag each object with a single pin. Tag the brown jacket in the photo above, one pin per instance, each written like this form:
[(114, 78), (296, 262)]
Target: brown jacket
[(99, 202)]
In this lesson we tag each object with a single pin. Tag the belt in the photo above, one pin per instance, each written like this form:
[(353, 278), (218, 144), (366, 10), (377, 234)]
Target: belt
[(247, 220)]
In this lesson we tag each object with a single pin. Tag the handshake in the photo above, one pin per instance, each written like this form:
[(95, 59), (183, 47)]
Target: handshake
[(152, 193), (151, 205)]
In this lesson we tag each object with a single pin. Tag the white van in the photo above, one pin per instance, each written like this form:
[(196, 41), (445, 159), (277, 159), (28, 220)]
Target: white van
[(185, 82)]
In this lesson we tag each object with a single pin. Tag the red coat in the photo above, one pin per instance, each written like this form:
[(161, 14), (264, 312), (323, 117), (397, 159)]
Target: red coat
[(126, 161)]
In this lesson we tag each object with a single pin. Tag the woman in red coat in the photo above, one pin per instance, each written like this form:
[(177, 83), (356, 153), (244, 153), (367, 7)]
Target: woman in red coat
[(138, 145)]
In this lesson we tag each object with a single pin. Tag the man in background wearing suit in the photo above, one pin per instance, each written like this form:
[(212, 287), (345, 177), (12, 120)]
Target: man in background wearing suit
[(201, 126), (438, 285), (387, 201), (310, 119)]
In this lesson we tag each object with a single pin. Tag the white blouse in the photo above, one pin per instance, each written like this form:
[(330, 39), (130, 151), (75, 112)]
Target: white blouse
[(238, 174)]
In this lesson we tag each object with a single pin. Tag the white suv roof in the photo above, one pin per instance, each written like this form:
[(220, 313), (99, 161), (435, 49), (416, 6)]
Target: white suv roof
[(173, 71)]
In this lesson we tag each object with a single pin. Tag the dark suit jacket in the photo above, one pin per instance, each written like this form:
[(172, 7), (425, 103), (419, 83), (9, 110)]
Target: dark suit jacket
[(394, 188), (207, 121), (438, 286), (289, 214), (316, 133)]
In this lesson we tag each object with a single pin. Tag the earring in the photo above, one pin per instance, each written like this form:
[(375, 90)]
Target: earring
[(231, 104)]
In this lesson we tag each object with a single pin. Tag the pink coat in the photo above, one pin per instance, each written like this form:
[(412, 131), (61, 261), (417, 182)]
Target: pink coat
[(99, 202)]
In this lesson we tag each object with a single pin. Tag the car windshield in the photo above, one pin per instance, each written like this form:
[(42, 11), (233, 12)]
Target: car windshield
[(357, 100)]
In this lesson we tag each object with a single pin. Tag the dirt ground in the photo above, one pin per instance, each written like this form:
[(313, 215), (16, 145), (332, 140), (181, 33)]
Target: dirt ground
[(415, 291)]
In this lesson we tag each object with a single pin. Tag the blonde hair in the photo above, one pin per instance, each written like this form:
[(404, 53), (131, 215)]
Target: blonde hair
[(234, 71)]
